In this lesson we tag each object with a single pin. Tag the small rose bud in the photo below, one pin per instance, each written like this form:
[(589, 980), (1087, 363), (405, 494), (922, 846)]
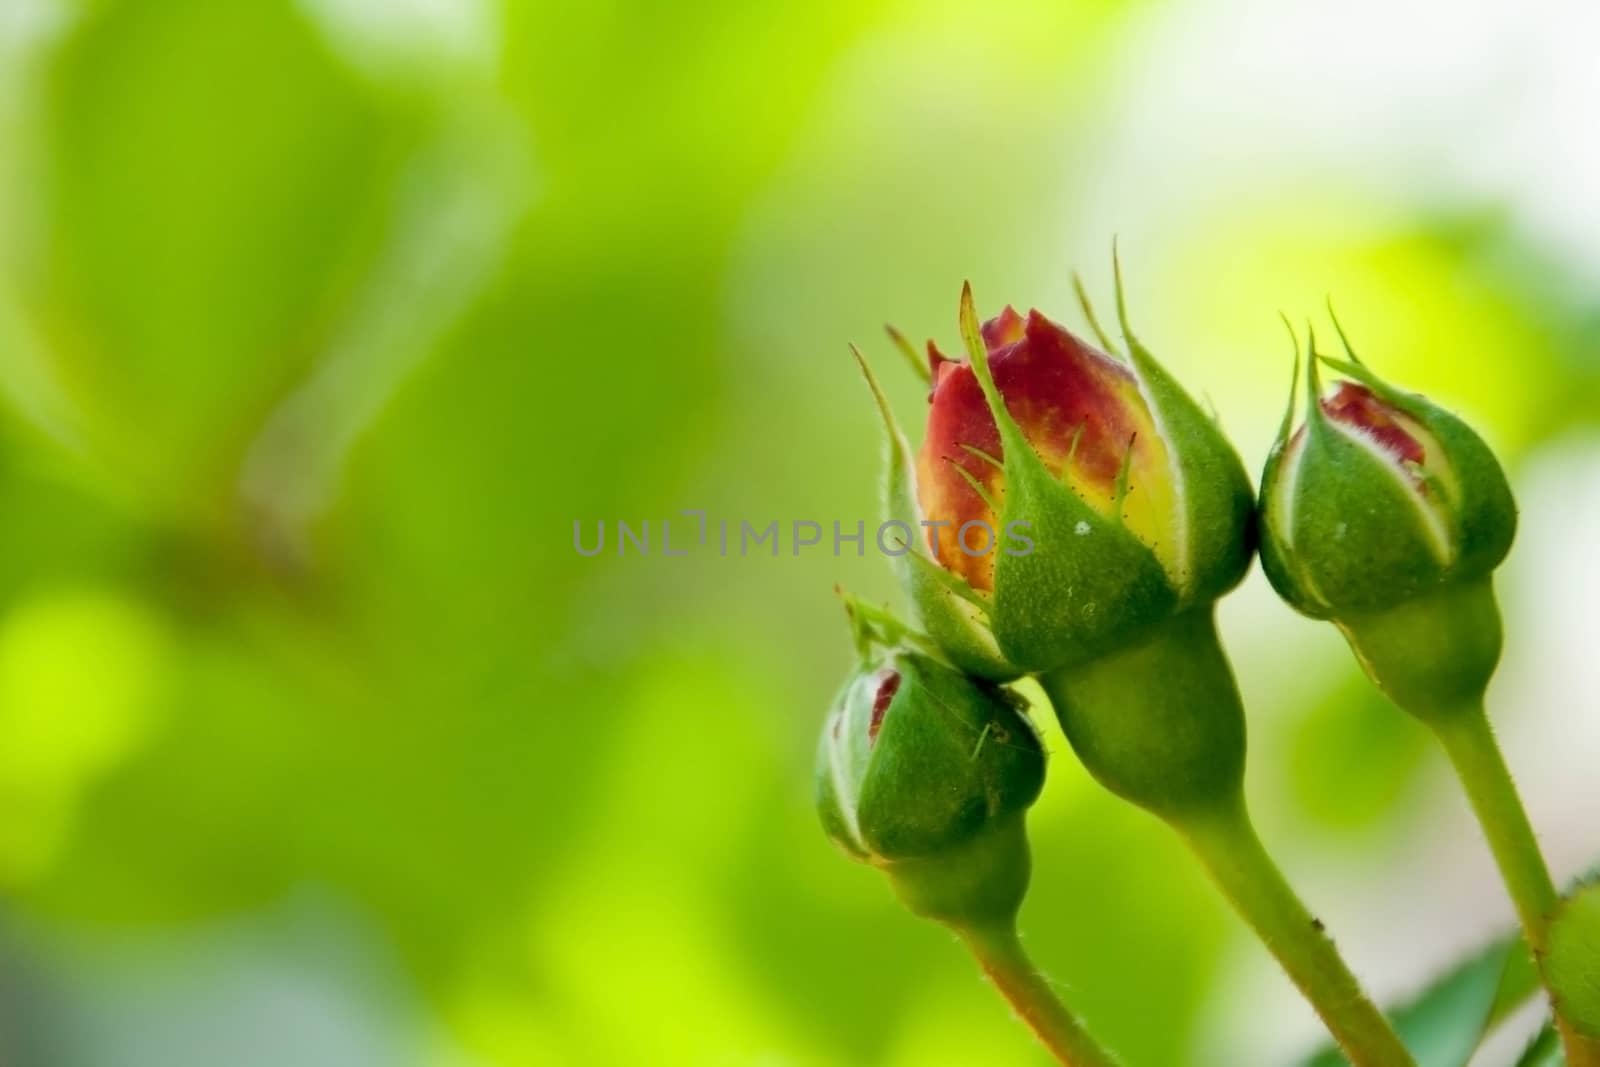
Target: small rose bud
[(926, 774), (1377, 497), (1387, 514), (1132, 505)]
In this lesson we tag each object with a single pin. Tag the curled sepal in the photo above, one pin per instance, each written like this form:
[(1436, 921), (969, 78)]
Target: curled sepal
[(874, 628), (1276, 488), (926, 773), (1572, 963), (1214, 501), (947, 608)]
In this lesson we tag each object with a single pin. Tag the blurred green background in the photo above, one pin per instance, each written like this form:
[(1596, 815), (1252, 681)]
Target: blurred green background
[(322, 322)]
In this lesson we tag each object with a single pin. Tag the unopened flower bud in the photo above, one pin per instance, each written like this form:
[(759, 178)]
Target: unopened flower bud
[(926, 773), (1387, 514), (1132, 505)]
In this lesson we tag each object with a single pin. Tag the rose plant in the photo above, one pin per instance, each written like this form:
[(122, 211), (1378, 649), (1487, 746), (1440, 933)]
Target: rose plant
[(1381, 513)]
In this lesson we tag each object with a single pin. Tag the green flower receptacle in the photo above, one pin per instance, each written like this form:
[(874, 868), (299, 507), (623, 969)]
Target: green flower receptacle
[(979, 882), (1160, 723), (1433, 654)]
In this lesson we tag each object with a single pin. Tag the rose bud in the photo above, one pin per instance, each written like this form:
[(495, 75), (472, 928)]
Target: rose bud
[(1387, 514), (926, 773), (1073, 501)]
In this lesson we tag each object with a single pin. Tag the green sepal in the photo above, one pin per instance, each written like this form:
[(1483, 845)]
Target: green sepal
[(915, 361), (1094, 320), (947, 609), (1217, 537), (1089, 585), (958, 756), (1277, 560), (1357, 540), (875, 628), (1482, 511), (831, 807)]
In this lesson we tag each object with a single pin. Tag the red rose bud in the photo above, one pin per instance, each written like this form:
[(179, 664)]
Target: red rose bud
[(926, 773), (1081, 411), (1387, 514), (1071, 501)]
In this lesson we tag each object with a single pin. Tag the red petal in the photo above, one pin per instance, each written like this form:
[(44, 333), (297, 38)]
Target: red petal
[(888, 686), (1054, 384), (1355, 405), (1006, 328), (958, 416), (1067, 398)]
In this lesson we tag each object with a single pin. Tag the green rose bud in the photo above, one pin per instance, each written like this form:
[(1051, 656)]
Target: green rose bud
[(1387, 514), (926, 774), (1064, 503)]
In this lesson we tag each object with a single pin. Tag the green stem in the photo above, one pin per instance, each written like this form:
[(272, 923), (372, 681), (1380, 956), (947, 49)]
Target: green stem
[(999, 952), (1469, 741), (1233, 855), (1160, 724), (1471, 746)]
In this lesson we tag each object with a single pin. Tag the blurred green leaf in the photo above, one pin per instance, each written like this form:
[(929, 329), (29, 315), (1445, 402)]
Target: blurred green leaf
[(216, 182), (1353, 723), (1544, 1050)]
